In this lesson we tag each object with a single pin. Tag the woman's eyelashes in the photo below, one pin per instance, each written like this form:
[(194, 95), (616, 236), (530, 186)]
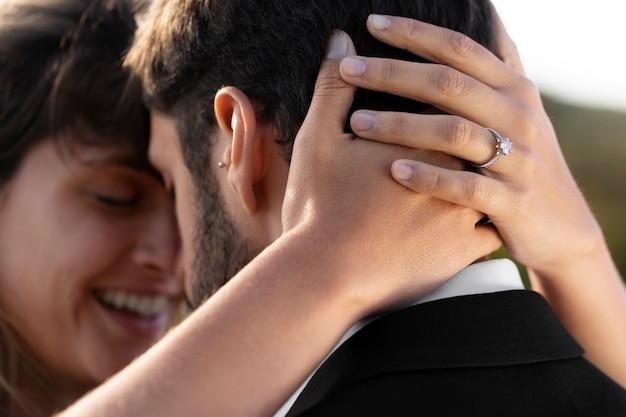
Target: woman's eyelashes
[(115, 192), (114, 201), (121, 189)]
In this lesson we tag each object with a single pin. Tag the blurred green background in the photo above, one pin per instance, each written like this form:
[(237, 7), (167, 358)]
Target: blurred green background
[(594, 143)]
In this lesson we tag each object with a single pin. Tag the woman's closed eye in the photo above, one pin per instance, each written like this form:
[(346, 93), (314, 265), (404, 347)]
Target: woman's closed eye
[(116, 201)]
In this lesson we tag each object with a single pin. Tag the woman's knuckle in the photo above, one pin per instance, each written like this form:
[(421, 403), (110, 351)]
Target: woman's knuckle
[(398, 125), (457, 132), (475, 191), (528, 86), (432, 182), (461, 46), (413, 30), (525, 88), (449, 82), (388, 71)]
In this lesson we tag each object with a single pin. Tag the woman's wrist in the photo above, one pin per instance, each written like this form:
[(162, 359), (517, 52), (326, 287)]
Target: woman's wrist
[(333, 275)]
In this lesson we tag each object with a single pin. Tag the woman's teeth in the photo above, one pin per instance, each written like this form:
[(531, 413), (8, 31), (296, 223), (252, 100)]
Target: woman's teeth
[(142, 305)]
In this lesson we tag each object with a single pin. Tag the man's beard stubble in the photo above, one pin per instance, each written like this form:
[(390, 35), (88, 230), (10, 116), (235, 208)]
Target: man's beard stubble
[(220, 251)]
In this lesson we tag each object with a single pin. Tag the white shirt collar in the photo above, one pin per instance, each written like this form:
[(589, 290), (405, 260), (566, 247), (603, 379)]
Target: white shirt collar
[(479, 278)]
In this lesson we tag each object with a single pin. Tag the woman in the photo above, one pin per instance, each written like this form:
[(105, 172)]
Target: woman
[(89, 244)]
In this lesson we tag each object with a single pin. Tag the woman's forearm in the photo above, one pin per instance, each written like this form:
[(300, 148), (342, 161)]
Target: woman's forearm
[(589, 297)]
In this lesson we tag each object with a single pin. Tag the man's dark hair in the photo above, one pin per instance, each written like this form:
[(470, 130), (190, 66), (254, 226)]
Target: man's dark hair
[(271, 50)]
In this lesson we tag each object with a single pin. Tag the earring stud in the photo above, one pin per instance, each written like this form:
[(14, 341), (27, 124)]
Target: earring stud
[(221, 164)]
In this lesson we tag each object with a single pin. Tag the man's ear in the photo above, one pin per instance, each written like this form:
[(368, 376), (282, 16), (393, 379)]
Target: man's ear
[(236, 119)]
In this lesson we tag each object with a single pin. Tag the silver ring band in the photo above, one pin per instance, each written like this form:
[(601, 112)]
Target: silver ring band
[(504, 146)]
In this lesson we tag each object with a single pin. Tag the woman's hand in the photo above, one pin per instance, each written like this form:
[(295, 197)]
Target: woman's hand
[(529, 195), (399, 245)]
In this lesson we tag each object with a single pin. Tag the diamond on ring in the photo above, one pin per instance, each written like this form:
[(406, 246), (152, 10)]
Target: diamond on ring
[(504, 146)]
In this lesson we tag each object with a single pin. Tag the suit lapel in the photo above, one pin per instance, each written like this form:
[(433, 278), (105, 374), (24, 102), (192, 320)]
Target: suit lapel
[(498, 329)]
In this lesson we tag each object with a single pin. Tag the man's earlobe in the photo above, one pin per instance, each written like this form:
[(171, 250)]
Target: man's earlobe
[(236, 119)]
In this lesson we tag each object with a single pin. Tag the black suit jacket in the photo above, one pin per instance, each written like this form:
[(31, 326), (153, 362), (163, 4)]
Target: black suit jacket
[(503, 354)]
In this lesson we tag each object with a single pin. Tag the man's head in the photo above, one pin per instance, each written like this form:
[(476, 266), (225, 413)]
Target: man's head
[(270, 52)]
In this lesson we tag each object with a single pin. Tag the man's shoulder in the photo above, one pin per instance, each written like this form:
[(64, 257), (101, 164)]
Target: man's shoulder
[(571, 387), (489, 329), (497, 347)]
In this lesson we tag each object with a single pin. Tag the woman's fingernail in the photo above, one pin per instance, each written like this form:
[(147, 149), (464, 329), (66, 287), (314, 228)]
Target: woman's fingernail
[(353, 67), (402, 171), (364, 121), (379, 22), (337, 46)]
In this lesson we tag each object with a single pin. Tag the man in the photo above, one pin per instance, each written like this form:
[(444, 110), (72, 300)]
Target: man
[(482, 350), (239, 45)]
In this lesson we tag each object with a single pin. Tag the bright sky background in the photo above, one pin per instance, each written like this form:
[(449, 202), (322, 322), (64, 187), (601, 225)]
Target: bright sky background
[(573, 49)]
